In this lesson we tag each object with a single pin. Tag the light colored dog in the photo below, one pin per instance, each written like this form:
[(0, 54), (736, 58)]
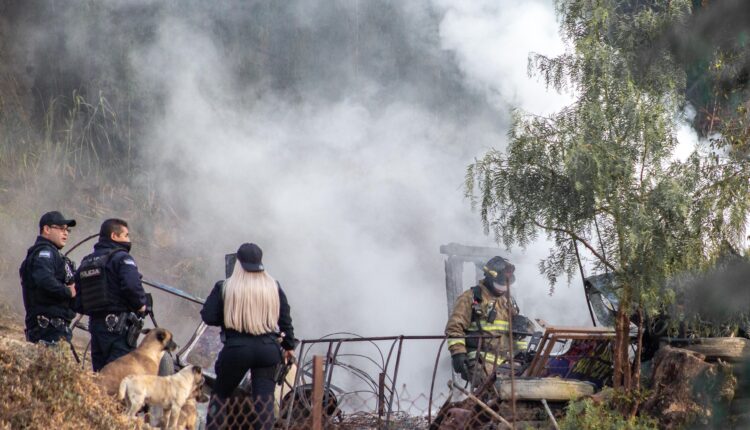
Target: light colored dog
[(168, 392), (189, 412), (144, 360)]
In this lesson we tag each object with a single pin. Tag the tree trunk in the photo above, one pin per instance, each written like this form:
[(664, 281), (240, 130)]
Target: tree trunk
[(637, 359), (637, 363), (621, 377)]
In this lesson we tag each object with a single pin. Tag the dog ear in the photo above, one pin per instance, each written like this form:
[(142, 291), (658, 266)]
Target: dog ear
[(197, 370), (145, 331)]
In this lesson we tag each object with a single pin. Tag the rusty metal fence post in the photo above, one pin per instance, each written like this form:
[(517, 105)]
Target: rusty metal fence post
[(381, 395), (511, 353), (317, 397)]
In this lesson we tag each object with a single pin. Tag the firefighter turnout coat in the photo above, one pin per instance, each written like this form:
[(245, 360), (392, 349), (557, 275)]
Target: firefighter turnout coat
[(479, 314)]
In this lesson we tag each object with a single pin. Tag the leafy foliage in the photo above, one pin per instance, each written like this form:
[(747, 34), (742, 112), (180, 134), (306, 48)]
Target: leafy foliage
[(588, 414), (600, 175)]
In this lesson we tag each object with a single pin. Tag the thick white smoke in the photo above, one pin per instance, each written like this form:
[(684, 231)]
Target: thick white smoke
[(351, 198), (492, 41), (346, 165)]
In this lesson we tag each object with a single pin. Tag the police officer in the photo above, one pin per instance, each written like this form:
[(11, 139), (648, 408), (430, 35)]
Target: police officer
[(110, 293), (253, 313), (47, 282), (482, 310)]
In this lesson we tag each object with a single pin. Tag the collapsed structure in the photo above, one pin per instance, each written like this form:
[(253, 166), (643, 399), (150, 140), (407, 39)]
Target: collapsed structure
[(693, 379)]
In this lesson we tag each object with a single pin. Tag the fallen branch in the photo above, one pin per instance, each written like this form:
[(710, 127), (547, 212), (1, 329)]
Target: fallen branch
[(549, 412), (481, 404)]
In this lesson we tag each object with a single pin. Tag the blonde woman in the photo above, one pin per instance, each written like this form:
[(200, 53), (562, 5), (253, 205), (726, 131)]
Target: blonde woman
[(253, 312)]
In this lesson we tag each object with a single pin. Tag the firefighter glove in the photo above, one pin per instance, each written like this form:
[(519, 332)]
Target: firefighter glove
[(461, 365)]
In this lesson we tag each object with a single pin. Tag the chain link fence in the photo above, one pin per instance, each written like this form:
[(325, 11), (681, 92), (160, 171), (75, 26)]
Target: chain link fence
[(353, 411)]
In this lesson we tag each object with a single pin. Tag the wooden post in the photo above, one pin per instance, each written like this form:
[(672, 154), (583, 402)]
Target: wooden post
[(381, 395), (454, 271), (317, 398)]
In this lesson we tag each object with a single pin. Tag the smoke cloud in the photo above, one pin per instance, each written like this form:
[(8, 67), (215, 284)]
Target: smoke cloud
[(492, 42), (336, 136)]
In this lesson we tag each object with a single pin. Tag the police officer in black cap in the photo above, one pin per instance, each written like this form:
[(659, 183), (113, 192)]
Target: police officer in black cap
[(110, 293), (47, 282), (254, 315)]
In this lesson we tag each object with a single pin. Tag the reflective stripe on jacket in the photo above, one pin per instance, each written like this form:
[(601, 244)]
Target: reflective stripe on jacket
[(487, 357), (460, 324)]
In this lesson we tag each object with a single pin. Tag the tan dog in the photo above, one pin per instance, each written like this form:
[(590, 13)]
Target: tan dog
[(144, 360), (168, 392), (189, 412)]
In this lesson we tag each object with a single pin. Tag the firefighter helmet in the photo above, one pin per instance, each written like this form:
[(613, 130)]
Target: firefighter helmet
[(497, 269)]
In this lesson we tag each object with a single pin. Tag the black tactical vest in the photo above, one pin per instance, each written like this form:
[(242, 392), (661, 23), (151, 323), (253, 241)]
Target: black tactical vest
[(92, 283)]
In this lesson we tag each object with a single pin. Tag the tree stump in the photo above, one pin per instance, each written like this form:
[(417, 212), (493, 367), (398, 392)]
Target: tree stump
[(688, 391)]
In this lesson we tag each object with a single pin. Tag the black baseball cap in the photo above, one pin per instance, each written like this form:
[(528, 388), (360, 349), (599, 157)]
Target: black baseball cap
[(250, 257), (55, 218)]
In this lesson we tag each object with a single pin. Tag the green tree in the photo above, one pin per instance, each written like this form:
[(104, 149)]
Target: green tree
[(600, 175)]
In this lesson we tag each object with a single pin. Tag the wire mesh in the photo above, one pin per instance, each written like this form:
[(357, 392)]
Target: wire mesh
[(353, 411)]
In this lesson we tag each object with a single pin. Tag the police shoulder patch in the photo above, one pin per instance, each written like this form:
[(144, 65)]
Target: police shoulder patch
[(46, 253), (129, 261)]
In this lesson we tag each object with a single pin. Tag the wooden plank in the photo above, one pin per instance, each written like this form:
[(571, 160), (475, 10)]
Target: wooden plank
[(469, 253), (552, 388), (537, 356), (732, 349), (578, 329), (317, 412)]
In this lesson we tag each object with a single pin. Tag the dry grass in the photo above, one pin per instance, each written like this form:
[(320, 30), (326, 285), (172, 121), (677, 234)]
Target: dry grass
[(43, 388)]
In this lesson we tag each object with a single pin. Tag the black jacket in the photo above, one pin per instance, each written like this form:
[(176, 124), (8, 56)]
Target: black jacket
[(212, 313), (123, 279), (44, 275)]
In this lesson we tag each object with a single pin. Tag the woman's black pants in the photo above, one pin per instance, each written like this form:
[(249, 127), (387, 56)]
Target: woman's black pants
[(258, 354)]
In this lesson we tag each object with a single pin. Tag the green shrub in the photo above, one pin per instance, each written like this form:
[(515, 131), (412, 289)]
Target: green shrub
[(588, 414)]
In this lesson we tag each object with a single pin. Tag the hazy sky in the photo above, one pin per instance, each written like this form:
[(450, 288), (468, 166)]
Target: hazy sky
[(336, 135), (351, 192), (351, 189)]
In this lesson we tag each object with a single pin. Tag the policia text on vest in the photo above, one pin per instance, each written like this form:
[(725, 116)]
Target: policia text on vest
[(111, 294)]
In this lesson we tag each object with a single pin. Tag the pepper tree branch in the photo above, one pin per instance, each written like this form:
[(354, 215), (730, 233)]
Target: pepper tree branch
[(578, 238)]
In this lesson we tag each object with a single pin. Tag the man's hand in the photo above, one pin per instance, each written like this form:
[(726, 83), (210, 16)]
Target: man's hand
[(288, 355), (72, 288), (461, 365)]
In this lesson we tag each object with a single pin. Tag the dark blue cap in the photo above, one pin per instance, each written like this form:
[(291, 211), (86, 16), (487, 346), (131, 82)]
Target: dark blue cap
[(55, 218), (250, 257)]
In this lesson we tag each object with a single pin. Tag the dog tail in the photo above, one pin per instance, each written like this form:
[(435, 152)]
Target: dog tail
[(123, 388)]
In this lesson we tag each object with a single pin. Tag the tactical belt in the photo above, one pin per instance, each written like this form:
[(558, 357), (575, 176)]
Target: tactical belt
[(56, 322), (124, 322)]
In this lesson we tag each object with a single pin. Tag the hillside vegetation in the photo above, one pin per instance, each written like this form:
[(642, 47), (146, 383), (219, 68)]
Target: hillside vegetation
[(44, 388)]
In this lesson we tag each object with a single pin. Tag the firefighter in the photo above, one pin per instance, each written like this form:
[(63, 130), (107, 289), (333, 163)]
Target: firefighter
[(47, 282), (111, 294), (482, 310)]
